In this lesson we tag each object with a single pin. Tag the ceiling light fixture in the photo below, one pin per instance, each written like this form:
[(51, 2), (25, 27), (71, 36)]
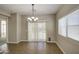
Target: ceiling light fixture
[(33, 17)]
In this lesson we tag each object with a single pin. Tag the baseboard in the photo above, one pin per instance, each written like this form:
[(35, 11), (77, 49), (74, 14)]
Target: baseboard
[(23, 40), (60, 48), (13, 42), (50, 41), (17, 42), (38, 41), (30, 41)]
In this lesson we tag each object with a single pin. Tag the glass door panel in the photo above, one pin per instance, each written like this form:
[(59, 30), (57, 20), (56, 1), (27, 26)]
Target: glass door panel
[(36, 31)]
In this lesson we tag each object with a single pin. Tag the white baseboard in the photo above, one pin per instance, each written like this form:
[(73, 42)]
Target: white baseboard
[(23, 40), (13, 42), (17, 42), (31, 41), (50, 41), (60, 47)]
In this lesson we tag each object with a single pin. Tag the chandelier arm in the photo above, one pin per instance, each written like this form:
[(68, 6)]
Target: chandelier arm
[(33, 18)]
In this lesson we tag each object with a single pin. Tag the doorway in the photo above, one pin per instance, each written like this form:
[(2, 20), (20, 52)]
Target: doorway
[(36, 31)]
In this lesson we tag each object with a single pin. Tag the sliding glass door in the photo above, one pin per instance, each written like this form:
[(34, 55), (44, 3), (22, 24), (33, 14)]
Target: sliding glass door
[(41, 31), (37, 31)]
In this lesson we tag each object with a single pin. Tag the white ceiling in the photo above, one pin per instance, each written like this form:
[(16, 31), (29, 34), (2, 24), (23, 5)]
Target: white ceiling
[(26, 9)]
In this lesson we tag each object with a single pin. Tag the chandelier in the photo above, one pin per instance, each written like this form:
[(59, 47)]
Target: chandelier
[(33, 17)]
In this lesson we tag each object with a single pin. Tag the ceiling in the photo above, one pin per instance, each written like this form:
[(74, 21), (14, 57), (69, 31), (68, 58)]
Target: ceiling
[(26, 9)]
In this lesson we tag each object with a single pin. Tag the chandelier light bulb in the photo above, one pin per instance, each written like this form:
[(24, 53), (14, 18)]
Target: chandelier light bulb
[(36, 19), (29, 19), (33, 17)]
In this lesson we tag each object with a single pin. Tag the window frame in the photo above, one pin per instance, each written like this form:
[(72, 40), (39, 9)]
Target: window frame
[(67, 26), (6, 19)]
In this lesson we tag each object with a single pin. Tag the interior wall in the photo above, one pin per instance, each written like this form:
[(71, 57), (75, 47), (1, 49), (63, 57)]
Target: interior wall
[(50, 27), (12, 28), (18, 27), (2, 12), (66, 9), (24, 29), (67, 45)]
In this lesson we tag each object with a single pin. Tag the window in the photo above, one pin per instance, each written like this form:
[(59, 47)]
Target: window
[(62, 27), (73, 26), (3, 28), (69, 26)]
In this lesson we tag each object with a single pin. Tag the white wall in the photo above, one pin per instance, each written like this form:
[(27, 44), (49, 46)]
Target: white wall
[(18, 27), (24, 29), (66, 9), (67, 45), (14, 28), (50, 26)]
